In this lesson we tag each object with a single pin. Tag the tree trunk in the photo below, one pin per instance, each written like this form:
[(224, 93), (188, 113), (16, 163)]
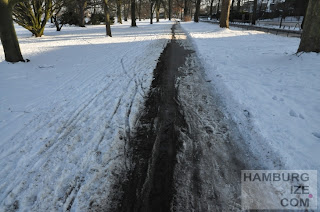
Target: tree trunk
[(170, 9), (281, 21), (56, 23), (165, 9), (119, 3), (218, 8), (158, 10), (151, 12), (107, 17), (310, 40), (139, 10), (82, 5), (284, 14), (186, 15), (196, 14), (211, 9), (128, 8), (260, 8), (39, 12), (254, 14), (238, 6), (46, 16), (133, 13), (185, 9), (225, 12), (304, 17), (125, 11), (9, 38), (231, 13)]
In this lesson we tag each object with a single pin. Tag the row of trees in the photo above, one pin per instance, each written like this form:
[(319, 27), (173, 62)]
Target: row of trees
[(250, 10), (310, 40), (34, 14)]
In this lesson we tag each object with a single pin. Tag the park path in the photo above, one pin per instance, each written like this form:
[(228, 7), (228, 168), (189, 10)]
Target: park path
[(185, 154)]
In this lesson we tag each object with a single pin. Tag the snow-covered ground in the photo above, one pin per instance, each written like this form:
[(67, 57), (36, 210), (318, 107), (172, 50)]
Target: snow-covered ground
[(65, 115), (269, 91)]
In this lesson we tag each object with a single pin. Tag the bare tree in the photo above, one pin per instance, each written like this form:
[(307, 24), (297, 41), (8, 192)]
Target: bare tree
[(107, 18), (211, 9), (33, 15), (178, 8), (157, 10), (218, 9), (133, 13), (119, 4), (56, 9), (238, 5), (225, 12), (126, 9), (139, 9), (151, 11), (170, 9), (196, 14), (254, 14), (8, 34), (186, 11), (310, 40), (166, 11), (82, 6)]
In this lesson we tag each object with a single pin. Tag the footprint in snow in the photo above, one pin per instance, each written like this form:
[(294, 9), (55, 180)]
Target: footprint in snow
[(316, 134), (45, 66), (246, 113), (292, 113), (276, 98)]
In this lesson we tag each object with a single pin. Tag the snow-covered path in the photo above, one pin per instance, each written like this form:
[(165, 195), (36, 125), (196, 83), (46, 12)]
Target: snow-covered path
[(186, 154), (271, 93), (65, 115)]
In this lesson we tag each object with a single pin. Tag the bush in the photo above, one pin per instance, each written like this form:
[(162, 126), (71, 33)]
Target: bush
[(187, 18), (70, 18), (99, 18)]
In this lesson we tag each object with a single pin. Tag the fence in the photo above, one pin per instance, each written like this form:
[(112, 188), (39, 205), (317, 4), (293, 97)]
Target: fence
[(283, 32)]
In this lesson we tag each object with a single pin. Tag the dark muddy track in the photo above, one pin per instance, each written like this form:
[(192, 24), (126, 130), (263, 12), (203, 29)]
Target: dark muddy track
[(185, 153), (154, 147)]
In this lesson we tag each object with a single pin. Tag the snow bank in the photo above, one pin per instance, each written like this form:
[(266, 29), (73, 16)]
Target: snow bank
[(269, 91), (65, 116)]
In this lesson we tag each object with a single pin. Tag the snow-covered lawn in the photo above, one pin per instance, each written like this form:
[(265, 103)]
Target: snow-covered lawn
[(269, 91), (64, 116)]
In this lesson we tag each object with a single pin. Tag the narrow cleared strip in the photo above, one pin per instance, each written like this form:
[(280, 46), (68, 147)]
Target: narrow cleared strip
[(154, 147)]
